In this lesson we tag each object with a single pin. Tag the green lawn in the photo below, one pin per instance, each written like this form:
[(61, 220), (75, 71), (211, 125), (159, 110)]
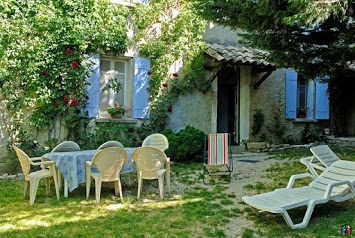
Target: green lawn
[(194, 211)]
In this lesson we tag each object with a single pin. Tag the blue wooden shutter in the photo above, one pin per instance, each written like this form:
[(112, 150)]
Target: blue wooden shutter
[(93, 89), (291, 94), (141, 84), (322, 100)]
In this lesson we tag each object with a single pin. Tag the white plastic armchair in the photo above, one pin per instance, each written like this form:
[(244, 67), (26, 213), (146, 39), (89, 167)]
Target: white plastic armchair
[(32, 178), (110, 143), (160, 141), (150, 163), (109, 163), (65, 146)]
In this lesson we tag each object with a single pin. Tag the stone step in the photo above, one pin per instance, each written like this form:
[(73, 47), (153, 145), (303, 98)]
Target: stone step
[(237, 149)]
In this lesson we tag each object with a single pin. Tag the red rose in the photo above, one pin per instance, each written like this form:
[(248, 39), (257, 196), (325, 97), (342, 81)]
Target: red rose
[(65, 99), (46, 71), (170, 109), (69, 51), (165, 85), (74, 102), (56, 104), (150, 72), (131, 129), (175, 74), (74, 64)]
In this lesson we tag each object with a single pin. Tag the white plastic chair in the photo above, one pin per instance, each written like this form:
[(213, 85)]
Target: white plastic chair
[(32, 178), (109, 163), (150, 163), (110, 143), (160, 141), (65, 146)]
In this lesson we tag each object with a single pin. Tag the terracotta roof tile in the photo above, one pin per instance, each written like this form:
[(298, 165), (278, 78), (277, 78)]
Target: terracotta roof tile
[(237, 54)]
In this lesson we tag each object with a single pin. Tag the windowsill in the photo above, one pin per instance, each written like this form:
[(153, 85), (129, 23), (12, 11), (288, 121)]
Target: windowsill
[(305, 120), (123, 120)]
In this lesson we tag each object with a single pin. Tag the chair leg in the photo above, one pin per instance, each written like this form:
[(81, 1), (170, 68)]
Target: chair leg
[(98, 189), (140, 183), (56, 184), (306, 218), (33, 189), (60, 178), (167, 177), (161, 186), (118, 188), (48, 185), (27, 188), (88, 185)]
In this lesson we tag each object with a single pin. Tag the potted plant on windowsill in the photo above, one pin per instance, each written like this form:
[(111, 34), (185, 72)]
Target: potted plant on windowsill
[(117, 111), (302, 112)]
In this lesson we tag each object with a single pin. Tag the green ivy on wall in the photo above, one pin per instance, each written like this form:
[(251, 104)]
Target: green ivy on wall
[(44, 61), (170, 31)]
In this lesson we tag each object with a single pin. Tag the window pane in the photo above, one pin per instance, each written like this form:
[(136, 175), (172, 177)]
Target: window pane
[(302, 93), (120, 67), (105, 65)]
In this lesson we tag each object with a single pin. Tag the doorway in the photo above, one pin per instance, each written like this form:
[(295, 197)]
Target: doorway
[(228, 103)]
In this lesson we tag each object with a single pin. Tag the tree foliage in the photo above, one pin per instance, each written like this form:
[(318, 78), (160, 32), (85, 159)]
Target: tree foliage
[(316, 38)]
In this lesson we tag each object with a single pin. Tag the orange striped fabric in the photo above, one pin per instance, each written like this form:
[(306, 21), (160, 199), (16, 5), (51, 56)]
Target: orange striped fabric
[(218, 149)]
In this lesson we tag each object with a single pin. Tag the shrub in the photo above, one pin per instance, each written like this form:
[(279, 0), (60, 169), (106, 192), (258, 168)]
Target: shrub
[(185, 146)]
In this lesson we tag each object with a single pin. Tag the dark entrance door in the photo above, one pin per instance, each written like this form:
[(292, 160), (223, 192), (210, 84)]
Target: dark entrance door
[(227, 102)]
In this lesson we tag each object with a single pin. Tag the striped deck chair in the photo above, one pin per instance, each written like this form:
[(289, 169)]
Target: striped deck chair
[(218, 163)]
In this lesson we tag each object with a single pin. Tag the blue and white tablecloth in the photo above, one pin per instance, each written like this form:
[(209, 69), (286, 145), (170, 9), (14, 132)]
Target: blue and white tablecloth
[(73, 164)]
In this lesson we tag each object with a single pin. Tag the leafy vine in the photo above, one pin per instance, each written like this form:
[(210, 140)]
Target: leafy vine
[(171, 31)]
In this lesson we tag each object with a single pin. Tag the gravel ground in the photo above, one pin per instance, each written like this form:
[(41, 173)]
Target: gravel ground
[(249, 168)]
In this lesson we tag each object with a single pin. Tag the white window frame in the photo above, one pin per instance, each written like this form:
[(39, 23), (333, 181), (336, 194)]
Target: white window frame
[(127, 88)]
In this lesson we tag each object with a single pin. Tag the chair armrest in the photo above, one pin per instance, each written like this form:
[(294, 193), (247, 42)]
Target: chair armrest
[(330, 187), (297, 176), (43, 163), (88, 163), (36, 158)]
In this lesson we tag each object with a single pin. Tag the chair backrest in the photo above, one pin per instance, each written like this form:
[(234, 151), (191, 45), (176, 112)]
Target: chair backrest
[(66, 146), (110, 143), (324, 154), (156, 140), (218, 149), (109, 162), (25, 161), (149, 161), (340, 170)]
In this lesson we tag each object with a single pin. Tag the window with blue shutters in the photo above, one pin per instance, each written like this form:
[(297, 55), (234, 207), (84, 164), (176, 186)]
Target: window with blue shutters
[(133, 76), (309, 94)]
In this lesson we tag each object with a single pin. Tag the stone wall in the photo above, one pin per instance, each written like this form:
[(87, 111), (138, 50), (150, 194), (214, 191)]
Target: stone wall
[(197, 110)]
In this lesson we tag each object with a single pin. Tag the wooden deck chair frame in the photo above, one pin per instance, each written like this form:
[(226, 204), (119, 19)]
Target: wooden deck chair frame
[(322, 158), (335, 183), (217, 158)]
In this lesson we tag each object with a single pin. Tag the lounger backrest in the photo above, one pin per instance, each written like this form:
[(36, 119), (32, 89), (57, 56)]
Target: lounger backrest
[(340, 170), (325, 155)]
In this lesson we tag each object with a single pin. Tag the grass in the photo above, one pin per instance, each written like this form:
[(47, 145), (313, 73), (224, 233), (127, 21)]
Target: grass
[(196, 211)]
